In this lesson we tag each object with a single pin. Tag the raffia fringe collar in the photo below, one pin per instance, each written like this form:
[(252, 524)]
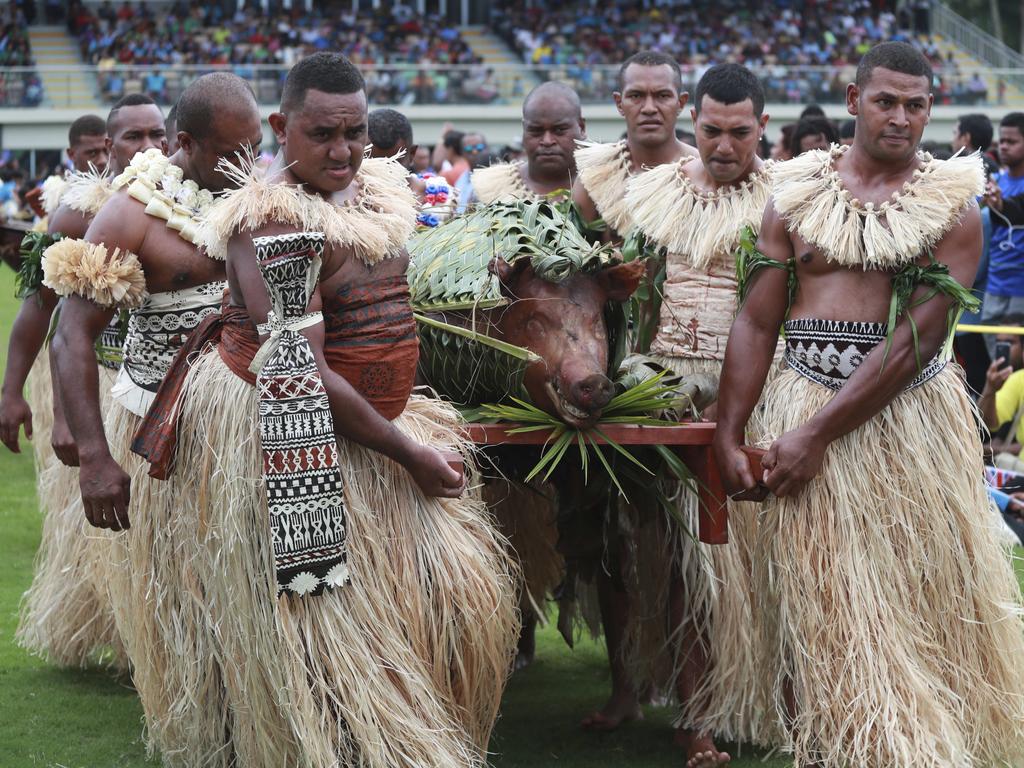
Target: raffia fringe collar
[(87, 192), (501, 183), (53, 191), (694, 225), (604, 172), (810, 197), (376, 225)]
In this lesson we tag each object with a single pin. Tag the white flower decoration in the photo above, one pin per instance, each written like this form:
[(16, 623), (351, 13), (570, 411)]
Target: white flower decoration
[(205, 199), (174, 171), (303, 583), (338, 576), (169, 183)]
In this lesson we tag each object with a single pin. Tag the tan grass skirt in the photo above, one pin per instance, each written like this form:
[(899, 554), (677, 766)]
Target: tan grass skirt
[(888, 605), (65, 615), (405, 666), (718, 598), (159, 606)]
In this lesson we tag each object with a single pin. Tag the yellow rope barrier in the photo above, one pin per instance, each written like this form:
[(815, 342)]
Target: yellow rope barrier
[(1008, 329)]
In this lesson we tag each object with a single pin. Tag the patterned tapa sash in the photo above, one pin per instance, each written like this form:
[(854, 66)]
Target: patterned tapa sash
[(829, 351), (300, 453)]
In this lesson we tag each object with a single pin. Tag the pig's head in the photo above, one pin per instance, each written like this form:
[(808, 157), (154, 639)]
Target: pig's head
[(564, 324)]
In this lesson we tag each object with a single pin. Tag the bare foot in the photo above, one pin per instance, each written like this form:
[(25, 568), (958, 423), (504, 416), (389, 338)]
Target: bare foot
[(621, 708), (701, 751)]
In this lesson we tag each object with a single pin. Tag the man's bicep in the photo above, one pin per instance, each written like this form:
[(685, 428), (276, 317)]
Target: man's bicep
[(67, 222), (773, 238), (960, 249), (246, 279)]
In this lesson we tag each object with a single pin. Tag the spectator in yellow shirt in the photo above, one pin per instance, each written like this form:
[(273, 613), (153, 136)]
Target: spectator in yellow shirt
[(1002, 398)]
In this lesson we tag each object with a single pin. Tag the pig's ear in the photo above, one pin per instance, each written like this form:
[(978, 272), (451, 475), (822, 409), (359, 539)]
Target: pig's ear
[(500, 269), (506, 273), (620, 280)]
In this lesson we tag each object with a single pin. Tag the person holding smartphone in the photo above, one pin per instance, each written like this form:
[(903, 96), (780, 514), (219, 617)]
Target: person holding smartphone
[(1002, 398)]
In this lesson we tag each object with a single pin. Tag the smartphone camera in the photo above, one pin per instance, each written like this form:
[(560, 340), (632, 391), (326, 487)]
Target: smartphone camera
[(1003, 351)]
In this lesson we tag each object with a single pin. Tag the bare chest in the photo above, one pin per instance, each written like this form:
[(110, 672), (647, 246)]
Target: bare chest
[(172, 264)]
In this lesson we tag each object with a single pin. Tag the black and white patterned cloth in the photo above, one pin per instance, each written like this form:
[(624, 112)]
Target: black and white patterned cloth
[(829, 351), (156, 331), (301, 465)]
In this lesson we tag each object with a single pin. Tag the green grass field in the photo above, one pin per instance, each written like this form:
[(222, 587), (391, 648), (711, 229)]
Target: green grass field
[(92, 719)]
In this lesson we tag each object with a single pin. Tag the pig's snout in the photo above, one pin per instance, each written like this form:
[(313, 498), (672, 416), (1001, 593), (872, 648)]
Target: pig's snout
[(592, 393)]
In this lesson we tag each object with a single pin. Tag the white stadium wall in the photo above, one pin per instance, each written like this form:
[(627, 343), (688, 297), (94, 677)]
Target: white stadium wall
[(42, 128)]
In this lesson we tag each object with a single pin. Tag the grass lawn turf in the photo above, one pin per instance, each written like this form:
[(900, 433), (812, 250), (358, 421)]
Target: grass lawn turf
[(91, 718)]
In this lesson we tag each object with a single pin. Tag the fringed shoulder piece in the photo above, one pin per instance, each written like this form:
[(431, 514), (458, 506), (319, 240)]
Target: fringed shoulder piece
[(376, 225), (111, 280), (604, 172), (87, 191), (691, 224), (502, 183), (809, 195), (53, 190)]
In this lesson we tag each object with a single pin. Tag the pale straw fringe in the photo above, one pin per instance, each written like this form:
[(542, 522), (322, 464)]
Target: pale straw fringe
[(809, 196), (404, 667), (53, 190), (501, 183), (603, 170), (111, 280), (695, 227), (65, 616), (718, 602), (161, 613), (376, 225), (527, 515), (86, 192), (39, 395), (887, 600)]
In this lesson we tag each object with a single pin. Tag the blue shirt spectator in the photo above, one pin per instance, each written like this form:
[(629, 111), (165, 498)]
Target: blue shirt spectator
[(1006, 250)]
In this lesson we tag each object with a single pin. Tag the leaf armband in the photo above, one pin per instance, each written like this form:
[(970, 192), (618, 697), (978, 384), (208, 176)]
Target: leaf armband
[(749, 260), (30, 274)]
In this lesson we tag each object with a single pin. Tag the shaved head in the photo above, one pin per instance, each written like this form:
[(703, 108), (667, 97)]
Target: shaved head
[(552, 124), (552, 97), (209, 96)]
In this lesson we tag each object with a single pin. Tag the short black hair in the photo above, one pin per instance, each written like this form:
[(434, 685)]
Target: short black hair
[(86, 125), (200, 101), (896, 56), (847, 129), (1013, 120), (131, 100), (811, 126), (651, 59), (812, 110), (979, 127), (387, 127), (730, 84), (323, 71), (453, 141)]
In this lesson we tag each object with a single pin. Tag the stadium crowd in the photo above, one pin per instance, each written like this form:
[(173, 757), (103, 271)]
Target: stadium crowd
[(397, 49), (17, 88), (806, 53)]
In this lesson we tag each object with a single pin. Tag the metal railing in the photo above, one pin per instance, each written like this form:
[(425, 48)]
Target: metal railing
[(402, 84), (973, 39)]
